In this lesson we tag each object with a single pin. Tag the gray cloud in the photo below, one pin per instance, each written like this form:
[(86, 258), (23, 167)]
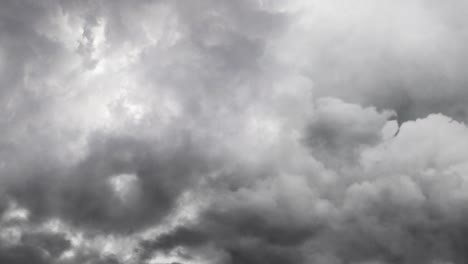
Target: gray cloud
[(338, 130), (53, 244), (22, 255), (232, 132), (84, 194), (398, 55), (387, 210)]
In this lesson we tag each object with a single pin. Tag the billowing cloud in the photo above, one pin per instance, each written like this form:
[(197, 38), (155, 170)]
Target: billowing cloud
[(338, 131), (391, 54), (233, 132), (401, 201)]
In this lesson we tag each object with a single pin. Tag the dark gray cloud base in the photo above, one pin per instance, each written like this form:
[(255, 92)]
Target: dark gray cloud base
[(242, 132)]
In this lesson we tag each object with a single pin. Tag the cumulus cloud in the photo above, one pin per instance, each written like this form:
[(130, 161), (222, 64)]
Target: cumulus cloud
[(339, 130), (402, 202), (233, 132), (390, 54)]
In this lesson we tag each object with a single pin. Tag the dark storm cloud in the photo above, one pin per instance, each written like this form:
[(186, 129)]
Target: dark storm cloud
[(242, 235), (389, 209), (37, 171), (22, 255), (84, 195), (92, 259), (233, 132), (339, 130), (48, 176), (53, 244), (25, 254), (39, 246)]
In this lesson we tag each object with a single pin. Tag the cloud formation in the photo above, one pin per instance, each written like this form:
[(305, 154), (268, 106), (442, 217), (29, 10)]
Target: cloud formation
[(241, 132)]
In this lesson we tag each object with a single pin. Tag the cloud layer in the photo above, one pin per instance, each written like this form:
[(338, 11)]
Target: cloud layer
[(241, 132)]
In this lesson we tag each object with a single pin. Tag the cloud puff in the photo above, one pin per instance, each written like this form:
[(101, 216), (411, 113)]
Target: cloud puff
[(405, 196), (394, 54), (340, 130)]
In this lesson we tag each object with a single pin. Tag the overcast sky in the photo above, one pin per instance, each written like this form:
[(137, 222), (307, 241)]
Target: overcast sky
[(233, 132)]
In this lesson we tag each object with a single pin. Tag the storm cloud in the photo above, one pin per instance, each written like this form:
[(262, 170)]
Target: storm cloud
[(233, 132)]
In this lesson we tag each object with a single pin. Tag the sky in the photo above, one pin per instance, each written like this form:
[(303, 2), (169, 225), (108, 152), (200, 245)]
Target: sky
[(233, 132)]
